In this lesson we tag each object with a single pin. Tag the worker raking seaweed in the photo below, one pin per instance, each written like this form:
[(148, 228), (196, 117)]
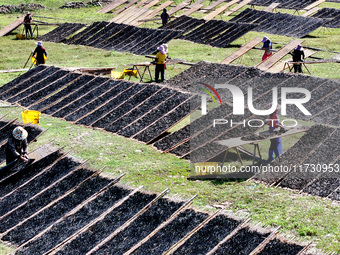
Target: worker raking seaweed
[(267, 46), (160, 63), (16, 148), (40, 54)]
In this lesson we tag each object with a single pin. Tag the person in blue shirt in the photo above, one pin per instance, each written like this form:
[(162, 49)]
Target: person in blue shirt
[(267, 46)]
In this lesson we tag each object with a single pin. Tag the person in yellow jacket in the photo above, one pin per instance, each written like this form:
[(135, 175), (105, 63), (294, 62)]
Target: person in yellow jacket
[(160, 63)]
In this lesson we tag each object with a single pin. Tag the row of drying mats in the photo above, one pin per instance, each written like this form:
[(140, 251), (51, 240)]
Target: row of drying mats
[(250, 20), (146, 112), (323, 105), (133, 110), (59, 205), (197, 141), (112, 36), (217, 33)]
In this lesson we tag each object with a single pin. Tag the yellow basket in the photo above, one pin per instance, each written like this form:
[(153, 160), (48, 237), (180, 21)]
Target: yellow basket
[(21, 37), (130, 72), (30, 116), (117, 75)]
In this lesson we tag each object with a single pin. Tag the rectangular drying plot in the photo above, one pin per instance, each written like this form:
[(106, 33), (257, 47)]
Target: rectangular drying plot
[(173, 139), (111, 104), (72, 223), (111, 36), (142, 109), (311, 165), (87, 33), (218, 228), (154, 115), (231, 34), (84, 84), (151, 46), (183, 23), (290, 4), (115, 88), (43, 199), (61, 32), (243, 242), (279, 23), (155, 130), (88, 239), (45, 81), (140, 228), (92, 34), (40, 100), (101, 35), (101, 87), (205, 32), (126, 106), (294, 155), (276, 246), (331, 15), (143, 36), (21, 177), (51, 84), (36, 185), (28, 82), (71, 87), (21, 79), (171, 233), (47, 217), (104, 35)]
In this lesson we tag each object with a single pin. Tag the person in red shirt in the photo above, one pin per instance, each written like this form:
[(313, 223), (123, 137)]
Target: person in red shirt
[(276, 143)]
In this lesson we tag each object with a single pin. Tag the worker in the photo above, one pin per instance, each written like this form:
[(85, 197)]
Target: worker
[(275, 143), (267, 46), (160, 63), (165, 17), (41, 53), (17, 146), (27, 24), (298, 56)]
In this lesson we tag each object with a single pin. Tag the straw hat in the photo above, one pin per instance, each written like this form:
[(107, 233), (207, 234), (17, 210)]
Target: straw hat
[(39, 43), (20, 133)]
